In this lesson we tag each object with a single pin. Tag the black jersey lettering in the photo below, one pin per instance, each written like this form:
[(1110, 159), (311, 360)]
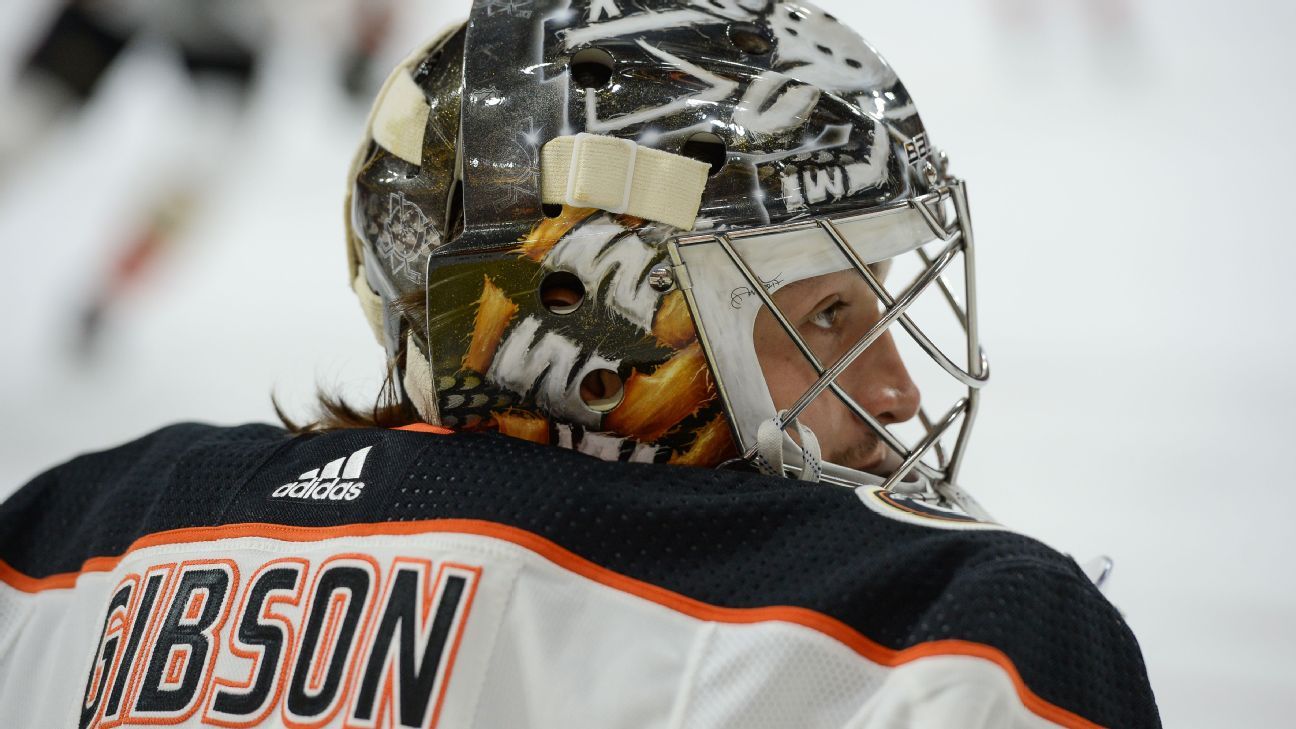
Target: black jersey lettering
[(179, 666), (412, 644), (338, 606), (114, 626), (154, 580), (263, 636)]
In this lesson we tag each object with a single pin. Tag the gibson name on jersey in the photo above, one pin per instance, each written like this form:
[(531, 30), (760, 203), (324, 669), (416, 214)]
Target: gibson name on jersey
[(307, 639)]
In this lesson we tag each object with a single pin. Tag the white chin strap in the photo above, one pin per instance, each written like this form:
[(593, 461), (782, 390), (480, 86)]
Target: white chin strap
[(776, 450), (772, 441)]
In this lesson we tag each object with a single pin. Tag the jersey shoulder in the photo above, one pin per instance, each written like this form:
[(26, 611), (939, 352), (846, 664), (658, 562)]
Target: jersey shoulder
[(98, 503)]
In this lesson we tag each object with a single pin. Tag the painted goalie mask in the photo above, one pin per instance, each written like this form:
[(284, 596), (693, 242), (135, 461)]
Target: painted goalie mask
[(589, 223)]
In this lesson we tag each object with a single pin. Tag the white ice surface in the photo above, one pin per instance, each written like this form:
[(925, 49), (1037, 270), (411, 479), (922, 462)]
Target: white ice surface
[(1129, 188)]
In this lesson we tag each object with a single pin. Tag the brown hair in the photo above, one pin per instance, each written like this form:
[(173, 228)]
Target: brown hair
[(391, 409)]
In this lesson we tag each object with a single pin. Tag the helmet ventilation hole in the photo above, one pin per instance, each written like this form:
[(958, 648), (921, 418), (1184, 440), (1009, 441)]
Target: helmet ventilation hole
[(706, 147), (750, 39), (562, 292), (601, 390), (591, 68)]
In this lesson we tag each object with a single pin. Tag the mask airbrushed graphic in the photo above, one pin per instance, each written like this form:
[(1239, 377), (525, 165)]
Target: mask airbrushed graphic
[(518, 364), (809, 116), (798, 116)]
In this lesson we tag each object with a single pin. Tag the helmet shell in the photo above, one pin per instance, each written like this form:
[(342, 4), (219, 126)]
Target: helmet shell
[(797, 114)]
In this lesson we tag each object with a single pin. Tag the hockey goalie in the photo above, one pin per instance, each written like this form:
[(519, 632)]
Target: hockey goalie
[(683, 361)]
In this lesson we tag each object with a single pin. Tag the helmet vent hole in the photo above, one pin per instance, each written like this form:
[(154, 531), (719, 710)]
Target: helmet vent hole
[(750, 39), (601, 390), (706, 147), (591, 68), (562, 292)]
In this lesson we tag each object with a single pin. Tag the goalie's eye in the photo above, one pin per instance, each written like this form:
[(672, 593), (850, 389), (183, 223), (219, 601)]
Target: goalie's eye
[(827, 313)]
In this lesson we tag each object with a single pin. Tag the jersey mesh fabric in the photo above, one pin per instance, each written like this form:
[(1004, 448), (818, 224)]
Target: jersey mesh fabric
[(97, 504), (725, 538)]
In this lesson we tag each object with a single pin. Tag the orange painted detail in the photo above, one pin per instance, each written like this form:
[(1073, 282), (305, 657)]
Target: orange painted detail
[(672, 325), (425, 428), (537, 244), (494, 312), (713, 444), (576, 564), (655, 403), (524, 425)]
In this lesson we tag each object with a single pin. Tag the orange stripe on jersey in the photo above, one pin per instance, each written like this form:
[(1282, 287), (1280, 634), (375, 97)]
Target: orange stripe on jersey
[(572, 562), (425, 428)]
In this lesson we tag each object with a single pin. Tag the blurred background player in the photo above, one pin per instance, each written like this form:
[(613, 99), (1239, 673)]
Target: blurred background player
[(219, 49)]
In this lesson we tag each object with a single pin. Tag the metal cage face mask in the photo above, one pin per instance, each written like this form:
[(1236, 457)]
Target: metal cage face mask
[(883, 266)]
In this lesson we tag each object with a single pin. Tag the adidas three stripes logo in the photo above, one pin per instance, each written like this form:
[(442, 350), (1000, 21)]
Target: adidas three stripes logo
[(337, 480)]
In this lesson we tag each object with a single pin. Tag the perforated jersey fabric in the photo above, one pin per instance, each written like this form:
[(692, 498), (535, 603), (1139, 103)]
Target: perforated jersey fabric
[(702, 545)]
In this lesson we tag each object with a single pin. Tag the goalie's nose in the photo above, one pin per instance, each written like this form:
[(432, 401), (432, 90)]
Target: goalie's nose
[(881, 384)]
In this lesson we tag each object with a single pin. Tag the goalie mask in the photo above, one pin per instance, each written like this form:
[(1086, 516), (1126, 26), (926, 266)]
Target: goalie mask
[(676, 232)]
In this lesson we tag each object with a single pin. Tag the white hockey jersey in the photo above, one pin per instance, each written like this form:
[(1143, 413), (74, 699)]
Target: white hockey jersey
[(239, 577)]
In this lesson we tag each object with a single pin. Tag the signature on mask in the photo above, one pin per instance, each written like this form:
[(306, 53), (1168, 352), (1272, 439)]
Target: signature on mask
[(739, 295)]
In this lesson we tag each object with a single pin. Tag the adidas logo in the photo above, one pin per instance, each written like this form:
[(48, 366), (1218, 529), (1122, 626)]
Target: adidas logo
[(337, 481)]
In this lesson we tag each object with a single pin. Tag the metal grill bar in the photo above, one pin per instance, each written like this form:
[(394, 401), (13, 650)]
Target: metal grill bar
[(938, 229), (927, 425), (964, 215), (903, 303), (754, 284), (934, 435), (978, 365), (880, 291), (945, 289), (828, 376)]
